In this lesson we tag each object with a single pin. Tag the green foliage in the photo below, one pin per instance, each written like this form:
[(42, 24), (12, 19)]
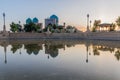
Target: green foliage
[(93, 29), (95, 51), (31, 27), (15, 47), (117, 55), (54, 26), (96, 24), (32, 48), (118, 21), (69, 27), (112, 27), (14, 27)]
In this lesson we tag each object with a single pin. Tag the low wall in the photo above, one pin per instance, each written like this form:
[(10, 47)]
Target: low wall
[(86, 35), (46, 36), (104, 35)]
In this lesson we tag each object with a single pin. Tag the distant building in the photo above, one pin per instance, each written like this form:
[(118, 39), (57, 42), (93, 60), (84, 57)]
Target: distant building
[(35, 21), (40, 25), (52, 20), (56, 18), (28, 20), (105, 26)]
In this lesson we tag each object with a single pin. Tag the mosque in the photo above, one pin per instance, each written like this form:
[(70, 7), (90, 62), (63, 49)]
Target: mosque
[(53, 19), (35, 21)]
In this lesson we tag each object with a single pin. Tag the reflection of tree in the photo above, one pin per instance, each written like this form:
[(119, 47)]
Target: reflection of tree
[(95, 50), (33, 48), (52, 49), (117, 54), (15, 47), (105, 48), (69, 45)]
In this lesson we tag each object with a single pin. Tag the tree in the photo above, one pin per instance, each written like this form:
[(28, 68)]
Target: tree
[(15, 47), (96, 24), (112, 27), (118, 21), (31, 27), (117, 55), (32, 48), (95, 50), (54, 26), (50, 26), (14, 27)]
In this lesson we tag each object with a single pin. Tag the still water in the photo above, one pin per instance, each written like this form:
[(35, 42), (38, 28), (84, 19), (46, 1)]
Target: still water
[(59, 60)]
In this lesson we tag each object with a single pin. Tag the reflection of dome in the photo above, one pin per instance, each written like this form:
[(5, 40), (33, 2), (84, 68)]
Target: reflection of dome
[(35, 20), (28, 21), (54, 17), (54, 53)]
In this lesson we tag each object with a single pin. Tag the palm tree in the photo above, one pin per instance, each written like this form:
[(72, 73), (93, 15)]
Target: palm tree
[(118, 21), (96, 24), (112, 27)]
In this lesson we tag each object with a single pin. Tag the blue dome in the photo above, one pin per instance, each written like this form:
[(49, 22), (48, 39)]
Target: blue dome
[(35, 20), (28, 21), (54, 17)]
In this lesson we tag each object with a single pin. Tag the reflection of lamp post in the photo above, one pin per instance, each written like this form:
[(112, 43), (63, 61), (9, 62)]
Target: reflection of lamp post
[(20, 51), (48, 56), (4, 28), (5, 49), (87, 54), (87, 22)]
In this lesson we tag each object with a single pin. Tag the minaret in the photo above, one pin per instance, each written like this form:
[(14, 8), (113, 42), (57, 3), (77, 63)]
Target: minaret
[(4, 27), (88, 23)]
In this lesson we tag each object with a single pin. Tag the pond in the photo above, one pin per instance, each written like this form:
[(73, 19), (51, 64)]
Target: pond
[(59, 60)]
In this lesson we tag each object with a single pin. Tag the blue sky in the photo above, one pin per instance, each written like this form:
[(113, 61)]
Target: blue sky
[(72, 12)]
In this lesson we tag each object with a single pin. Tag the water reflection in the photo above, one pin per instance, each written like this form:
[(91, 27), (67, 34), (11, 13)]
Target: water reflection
[(15, 47), (33, 48), (95, 48)]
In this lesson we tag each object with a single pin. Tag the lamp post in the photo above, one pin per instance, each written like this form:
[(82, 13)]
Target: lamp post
[(87, 22), (4, 28), (90, 24)]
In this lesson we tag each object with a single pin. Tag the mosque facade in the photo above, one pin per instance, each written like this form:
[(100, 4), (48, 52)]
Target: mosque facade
[(53, 19)]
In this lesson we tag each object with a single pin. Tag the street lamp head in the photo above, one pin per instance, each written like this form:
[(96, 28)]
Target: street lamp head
[(87, 15), (90, 21), (4, 14)]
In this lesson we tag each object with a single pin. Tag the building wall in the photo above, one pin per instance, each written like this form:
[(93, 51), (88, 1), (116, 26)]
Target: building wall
[(50, 21)]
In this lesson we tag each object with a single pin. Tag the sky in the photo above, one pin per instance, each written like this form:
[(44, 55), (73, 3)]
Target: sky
[(72, 12)]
